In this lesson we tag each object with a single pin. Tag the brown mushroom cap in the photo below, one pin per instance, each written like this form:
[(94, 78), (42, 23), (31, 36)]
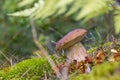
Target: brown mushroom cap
[(70, 39)]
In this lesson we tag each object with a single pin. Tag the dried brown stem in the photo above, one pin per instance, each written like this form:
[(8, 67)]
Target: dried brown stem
[(41, 48)]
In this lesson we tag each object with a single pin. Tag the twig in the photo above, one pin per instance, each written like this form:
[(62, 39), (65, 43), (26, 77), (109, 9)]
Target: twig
[(41, 48), (56, 32), (73, 74), (26, 72), (5, 56), (45, 77), (64, 73)]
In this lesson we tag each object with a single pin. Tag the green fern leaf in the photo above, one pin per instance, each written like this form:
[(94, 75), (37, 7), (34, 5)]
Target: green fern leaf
[(47, 10), (62, 6), (25, 2), (75, 7), (92, 8), (28, 12), (25, 13)]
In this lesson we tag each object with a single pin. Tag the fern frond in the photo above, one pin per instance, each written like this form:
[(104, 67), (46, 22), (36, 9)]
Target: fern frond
[(92, 8), (75, 7), (44, 8), (47, 10), (24, 13), (28, 12), (25, 2), (62, 6), (117, 20)]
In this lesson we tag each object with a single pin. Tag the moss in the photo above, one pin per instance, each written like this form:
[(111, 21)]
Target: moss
[(105, 71), (31, 69), (2, 73), (90, 51), (106, 45)]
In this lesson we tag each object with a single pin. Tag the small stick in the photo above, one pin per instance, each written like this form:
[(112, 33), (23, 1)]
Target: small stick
[(41, 48)]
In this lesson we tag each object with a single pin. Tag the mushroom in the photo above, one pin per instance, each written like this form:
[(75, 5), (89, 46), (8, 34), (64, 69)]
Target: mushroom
[(71, 42)]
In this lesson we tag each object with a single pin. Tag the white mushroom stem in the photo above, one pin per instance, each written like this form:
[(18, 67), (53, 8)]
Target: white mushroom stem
[(77, 52)]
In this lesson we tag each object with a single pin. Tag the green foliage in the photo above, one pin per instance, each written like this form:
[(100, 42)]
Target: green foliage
[(106, 45), (86, 9), (15, 39), (46, 8), (25, 2), (28, 69), (105, 71), (117, 20), (90, 51), (92, 8)]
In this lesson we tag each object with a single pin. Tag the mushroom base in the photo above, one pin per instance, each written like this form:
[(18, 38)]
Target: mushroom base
[(83, 67), (77, 52)]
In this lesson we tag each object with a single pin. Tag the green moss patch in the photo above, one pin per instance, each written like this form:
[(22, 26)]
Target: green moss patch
[(105, 71), (31, 69)]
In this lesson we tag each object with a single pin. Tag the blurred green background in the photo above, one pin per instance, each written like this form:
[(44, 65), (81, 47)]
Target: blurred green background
[(53, 19)]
